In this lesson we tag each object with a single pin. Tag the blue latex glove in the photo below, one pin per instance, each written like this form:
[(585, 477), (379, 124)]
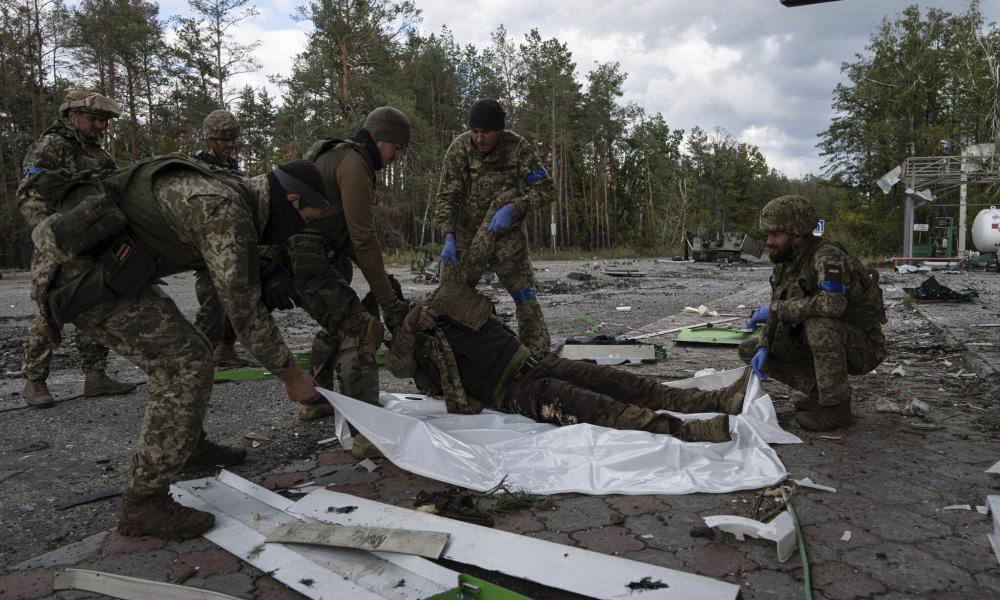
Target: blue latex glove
[(759, 316), (449, 254), (502, 219), (757, 364)]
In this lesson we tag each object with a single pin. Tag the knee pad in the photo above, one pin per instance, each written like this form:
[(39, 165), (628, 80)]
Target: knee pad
[(525, 295)]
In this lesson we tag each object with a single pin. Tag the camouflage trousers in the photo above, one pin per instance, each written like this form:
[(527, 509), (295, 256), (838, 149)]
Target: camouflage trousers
[(566, 392), (38, 352), (211, 318), (816, 357), (343, 344), (150, 331), (507, 255)]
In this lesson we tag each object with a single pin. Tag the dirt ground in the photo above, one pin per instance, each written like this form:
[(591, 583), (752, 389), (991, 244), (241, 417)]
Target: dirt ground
[(894, 473)]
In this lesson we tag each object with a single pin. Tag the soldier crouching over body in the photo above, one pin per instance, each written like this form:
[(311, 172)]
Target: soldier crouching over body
[(825, 318), (452, 345), (103, 253)]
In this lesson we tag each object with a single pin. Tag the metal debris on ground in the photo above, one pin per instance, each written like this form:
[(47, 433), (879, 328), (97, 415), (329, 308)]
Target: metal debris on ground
[(428, 544), (713, 336), (809, 483), (958, 507), (259, 437), (367, 464), (624, 273), (454, 504), (847, 536), (781, 530), (88, 498), (129, 588)]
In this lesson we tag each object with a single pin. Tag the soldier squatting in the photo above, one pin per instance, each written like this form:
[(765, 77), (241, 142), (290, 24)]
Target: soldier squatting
[(290, 237)]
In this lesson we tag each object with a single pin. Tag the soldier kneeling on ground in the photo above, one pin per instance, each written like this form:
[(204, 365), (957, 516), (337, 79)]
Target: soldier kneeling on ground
[(824, 321)]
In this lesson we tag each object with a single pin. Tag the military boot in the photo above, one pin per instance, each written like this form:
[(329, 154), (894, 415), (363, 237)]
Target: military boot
[(715, 429), (97, 383), (36, 394), (161, 516), (825, 418), (731, 396), (208, 455), (810, 402), (224, 355), (311, 412), (363, 448)]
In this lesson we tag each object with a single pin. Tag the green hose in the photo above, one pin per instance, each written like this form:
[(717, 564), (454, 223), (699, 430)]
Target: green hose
[(806, 577)]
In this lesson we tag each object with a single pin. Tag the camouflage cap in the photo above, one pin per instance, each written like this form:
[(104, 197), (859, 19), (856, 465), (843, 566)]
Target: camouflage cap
[(220, 125), (791, 214), (92, 102)]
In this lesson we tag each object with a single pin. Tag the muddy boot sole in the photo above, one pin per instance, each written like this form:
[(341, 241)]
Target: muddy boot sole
[(36, 394)]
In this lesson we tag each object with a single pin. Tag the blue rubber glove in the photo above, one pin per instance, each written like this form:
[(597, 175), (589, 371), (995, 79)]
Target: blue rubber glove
[(757, 364), (759, 316), (449, 254), (502, 219)]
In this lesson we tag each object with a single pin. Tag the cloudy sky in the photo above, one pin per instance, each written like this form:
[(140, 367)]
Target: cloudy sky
[(762, 72)]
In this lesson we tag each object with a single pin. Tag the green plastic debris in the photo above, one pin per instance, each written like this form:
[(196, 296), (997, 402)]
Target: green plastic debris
[(713, 335), (300, 359), (472, 588)]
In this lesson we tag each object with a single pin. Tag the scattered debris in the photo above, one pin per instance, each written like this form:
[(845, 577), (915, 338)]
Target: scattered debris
[(994, 503), (624, 273), (713, 336), (899, 371), (259, 437), (580, 276), (887, 406), (87, 499), (330, 440), (646, 583), (983, 510), (681, 328), (129, 588), (428, 544), (509, 500), (781, 530), (847, 536), (957, 507), (454, 504), (623, 308), (835, 438), (917, 408), (307, 582), (367, 464), (925, 426), (932, 291), (34, 447), (912, 269), (186, 574), (5, 475), (702, 310), (639, 352), (809, 483), (995, 468)]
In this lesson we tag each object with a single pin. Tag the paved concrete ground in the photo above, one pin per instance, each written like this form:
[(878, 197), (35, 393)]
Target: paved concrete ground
[(894, 475)]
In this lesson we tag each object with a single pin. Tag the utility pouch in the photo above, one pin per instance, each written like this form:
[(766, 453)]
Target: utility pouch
[(129, 266), (81, 293), (90, 222)]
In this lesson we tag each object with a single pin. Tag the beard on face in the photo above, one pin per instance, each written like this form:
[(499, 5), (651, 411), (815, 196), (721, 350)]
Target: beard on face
[(781, 253)]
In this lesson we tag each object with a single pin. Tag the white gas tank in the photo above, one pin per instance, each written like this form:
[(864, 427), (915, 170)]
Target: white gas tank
[(986, 230)]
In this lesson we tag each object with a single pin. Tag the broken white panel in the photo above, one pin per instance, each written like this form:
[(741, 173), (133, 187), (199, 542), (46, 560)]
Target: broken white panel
[(809, 483), (958, 507), (890, 179), (847, 536), (994, 503), (925, 195), (246, 513), (780, 530), (995, 468), (594, 351), (428, 544), (476, 451), (130, 588), (555, 565)]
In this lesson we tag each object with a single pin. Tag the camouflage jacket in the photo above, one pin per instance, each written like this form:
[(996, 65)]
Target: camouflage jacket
[(230, 166), (60, 147), (824, 280), (472, 183)]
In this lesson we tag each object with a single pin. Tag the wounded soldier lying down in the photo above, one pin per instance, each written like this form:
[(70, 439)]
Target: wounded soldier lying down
[(453, 346)]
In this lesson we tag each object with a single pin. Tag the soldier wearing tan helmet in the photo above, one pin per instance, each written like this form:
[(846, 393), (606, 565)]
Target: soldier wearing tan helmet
[(71, 143), (221, 131), (824, 321)]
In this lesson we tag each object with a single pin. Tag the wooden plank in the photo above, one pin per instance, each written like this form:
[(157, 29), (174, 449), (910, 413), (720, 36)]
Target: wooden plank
[(428, 544)]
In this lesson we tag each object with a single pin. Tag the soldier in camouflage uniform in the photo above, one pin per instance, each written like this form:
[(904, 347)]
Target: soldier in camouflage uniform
[(825, 318), (452, 345), (492, 172), (176, 215), (319, 258), (72, 143), (221, 131)]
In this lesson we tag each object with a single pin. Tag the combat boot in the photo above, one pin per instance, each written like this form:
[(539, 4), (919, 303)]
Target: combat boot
[(36, 394), (161, 516), (311, 412), (810, 402), (825, 418), (731, 400), (224, 355), (715, 429), (97, 383), (363, 448), (208, 455)]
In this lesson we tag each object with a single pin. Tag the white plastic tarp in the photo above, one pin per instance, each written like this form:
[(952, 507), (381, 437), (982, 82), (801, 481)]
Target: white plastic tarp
[(477, 451)]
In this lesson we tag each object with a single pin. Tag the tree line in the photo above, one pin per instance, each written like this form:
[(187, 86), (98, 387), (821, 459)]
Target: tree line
[(624, 177)]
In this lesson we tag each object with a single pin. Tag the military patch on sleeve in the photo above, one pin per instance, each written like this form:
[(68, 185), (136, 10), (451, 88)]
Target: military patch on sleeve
[(833, 278)]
